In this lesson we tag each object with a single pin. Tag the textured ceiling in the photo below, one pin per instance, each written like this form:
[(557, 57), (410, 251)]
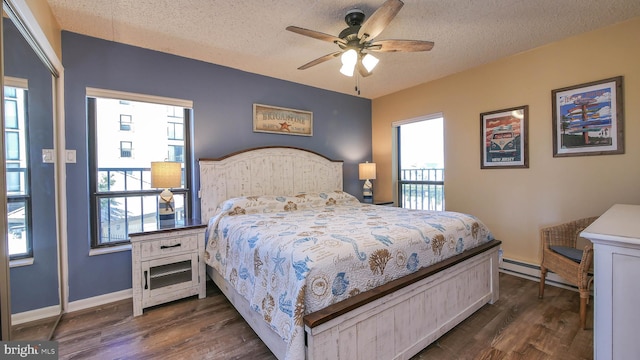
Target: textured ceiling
[(250, 35)]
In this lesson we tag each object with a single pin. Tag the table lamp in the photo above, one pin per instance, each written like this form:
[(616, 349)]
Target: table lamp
[(166, 175), (366, 172)]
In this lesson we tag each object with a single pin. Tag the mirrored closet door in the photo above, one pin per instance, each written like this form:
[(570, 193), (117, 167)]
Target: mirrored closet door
[(31, 233)]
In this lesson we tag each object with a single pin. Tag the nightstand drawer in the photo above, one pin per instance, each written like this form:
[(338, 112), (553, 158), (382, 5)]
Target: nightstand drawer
[(169, 246)]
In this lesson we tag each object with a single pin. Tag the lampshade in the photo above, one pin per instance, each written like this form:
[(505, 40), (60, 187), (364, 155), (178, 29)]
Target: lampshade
[(367, 171), (349, 59), (369, 61), (166, 174)]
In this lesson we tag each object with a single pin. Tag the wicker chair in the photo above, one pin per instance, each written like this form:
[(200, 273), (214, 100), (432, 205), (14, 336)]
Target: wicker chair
[(560, 255)]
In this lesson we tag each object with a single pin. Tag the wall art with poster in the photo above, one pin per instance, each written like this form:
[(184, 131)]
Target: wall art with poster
[(504, 138), (588, 119)]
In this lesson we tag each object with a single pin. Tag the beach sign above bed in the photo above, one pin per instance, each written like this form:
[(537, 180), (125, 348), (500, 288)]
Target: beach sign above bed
[(279, 120)]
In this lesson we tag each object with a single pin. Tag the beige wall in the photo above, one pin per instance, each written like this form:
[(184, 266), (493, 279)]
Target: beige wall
[(48, 23), (516, 203)]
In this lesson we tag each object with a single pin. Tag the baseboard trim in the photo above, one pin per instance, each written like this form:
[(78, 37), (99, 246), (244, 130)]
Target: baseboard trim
[(99, 300), (51, 311), (532, 272), (34, 315)]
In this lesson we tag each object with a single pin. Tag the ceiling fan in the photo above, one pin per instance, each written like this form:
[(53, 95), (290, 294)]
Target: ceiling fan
[(357, 41)]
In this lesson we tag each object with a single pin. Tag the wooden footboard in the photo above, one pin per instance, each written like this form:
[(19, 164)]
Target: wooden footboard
[(398, 320), (393, 321)]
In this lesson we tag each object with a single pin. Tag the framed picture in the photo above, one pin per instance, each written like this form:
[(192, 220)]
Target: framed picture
[(588, 119), (504, 138), (279, 120)]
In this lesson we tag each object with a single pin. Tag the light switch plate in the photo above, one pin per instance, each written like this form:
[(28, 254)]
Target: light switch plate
[(48, 156), (70, 156)]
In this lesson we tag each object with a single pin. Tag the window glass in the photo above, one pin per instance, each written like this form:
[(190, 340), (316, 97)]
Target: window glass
[(14, 180), (175, 153), (17, 220), (421, 164), (175, 131), (12, 141), (11, 120), (16, 170), (125, 149), (125, 122), (124, 201)]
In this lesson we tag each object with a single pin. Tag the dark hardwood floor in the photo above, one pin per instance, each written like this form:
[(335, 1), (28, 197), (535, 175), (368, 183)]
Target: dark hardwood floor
[(518, 326)]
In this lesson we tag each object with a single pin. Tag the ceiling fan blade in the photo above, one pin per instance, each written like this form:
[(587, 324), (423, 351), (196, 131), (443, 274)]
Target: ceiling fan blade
[(400, 46), (362, 70), (320, 60), (379, 20), (315, 34)]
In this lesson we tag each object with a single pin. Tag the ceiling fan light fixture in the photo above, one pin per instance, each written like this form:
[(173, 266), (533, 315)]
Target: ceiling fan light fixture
[(349, 59), (369, 61), (347, 70), (357, 40)]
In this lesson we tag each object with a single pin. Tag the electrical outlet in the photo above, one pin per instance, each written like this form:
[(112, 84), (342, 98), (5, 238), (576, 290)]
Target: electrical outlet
[(48, 156)]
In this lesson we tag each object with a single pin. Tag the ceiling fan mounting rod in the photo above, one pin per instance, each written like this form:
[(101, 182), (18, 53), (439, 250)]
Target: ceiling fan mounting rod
[(354, 17)]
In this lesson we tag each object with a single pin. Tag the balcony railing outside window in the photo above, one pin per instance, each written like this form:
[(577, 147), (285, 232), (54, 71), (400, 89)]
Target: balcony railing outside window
[(127, 204), (422, 189)]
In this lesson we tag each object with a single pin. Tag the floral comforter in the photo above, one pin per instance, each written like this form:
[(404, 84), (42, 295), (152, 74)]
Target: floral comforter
[(290, 256)]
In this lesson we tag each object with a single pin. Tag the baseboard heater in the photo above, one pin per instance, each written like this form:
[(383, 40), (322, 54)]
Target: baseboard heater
[(532, 272)]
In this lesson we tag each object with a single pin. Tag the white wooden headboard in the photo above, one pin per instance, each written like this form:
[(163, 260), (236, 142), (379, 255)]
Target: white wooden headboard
[(265, 171)]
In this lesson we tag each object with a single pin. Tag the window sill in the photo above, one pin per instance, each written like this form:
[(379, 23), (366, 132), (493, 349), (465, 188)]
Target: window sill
[(109, 250), (20, 262)]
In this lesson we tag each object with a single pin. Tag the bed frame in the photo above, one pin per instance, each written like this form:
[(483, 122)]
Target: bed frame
[(421, 306)]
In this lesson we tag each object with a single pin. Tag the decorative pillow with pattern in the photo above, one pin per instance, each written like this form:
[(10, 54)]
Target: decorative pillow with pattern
[(273, 203)]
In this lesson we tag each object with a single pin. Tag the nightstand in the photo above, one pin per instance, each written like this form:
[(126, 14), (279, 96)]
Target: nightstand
[(167, 265)]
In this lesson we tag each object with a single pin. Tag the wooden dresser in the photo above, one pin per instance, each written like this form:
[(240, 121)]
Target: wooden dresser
[(616, 243)]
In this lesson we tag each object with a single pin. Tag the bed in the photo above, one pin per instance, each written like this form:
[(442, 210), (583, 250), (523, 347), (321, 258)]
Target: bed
[(317, 275)]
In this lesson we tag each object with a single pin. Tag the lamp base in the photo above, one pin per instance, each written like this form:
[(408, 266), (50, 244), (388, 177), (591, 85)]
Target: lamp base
[(367, 192), (166, 221), (166, 210)]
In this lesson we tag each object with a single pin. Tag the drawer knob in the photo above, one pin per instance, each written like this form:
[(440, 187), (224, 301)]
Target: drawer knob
[(169, 246)]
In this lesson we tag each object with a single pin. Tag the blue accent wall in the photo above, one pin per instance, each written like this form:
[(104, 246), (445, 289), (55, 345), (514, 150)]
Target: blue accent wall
[(35, 286), (223, 101)]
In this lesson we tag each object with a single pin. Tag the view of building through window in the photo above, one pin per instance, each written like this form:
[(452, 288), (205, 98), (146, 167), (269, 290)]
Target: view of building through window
[(421, 164), (16, 157), (129, 135)]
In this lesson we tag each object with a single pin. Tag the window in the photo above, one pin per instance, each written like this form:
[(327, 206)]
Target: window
[(125, 122), (11, 117), (174, 111), (12, 141), (122, 200), (421, 163), (125, 149), (17, 169), (14, 183), (175, 131), (175, 153)]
